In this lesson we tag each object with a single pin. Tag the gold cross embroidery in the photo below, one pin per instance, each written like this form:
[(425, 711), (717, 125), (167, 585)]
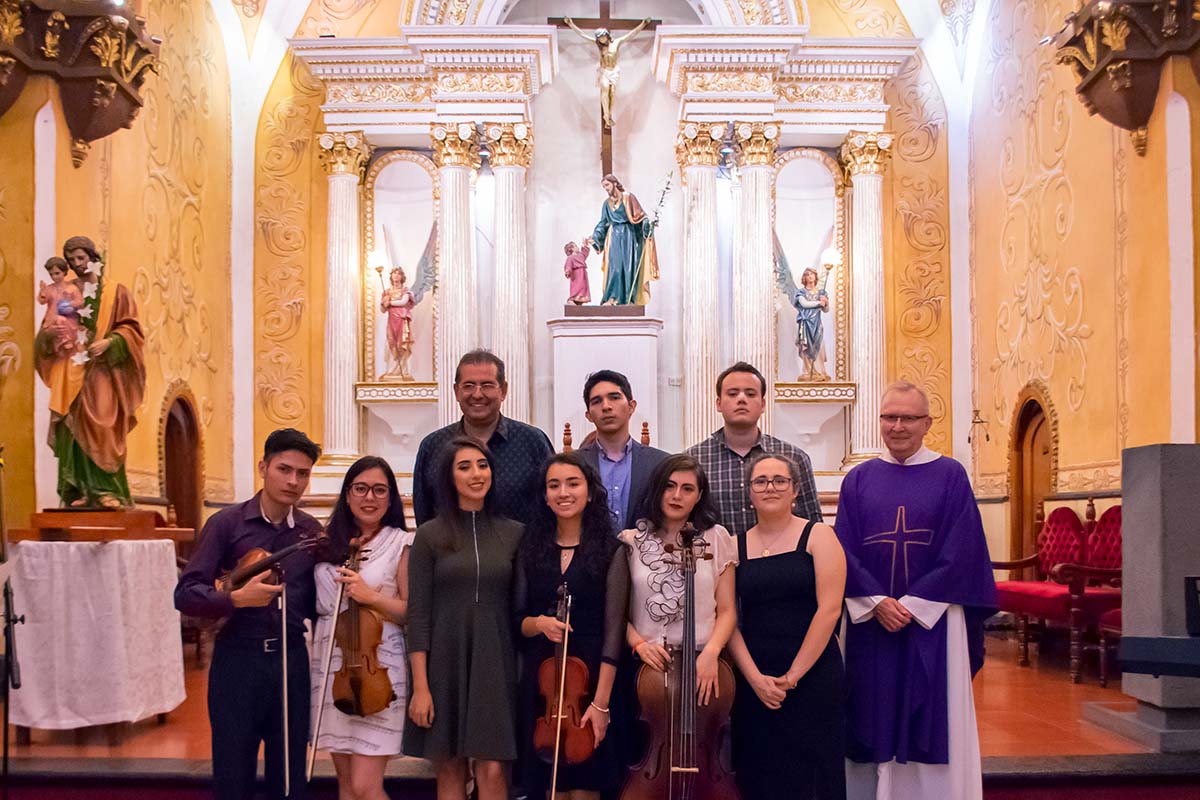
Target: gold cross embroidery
[(901, 535)]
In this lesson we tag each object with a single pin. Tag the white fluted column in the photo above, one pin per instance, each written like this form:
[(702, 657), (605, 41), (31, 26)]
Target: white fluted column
[(456, 154), (697, 150), (865, 155), (753, 276), (512, 147), (344, 156)]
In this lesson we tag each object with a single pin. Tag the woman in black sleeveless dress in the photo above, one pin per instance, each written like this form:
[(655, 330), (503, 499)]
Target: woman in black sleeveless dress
[(571, 542), (789, 711)]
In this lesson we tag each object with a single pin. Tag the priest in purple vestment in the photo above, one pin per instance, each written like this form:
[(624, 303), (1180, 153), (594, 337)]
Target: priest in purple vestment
[(919, 586)]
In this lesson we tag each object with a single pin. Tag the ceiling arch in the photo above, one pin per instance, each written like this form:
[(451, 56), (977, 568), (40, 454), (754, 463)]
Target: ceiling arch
[(721, 13)]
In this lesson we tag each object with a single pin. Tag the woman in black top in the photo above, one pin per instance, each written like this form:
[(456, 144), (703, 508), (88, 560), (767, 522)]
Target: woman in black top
[(460, 644), (789, 710), (572, 543)]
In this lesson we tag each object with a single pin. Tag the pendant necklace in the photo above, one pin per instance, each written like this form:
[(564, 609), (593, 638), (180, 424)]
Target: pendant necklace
[(766, 551)]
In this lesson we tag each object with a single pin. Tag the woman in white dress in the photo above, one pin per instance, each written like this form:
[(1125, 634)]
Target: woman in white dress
[(368, 514)]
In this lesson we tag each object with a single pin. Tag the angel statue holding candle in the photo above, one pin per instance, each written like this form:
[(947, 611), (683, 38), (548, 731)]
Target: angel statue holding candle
[(810, 301), (398, 300)]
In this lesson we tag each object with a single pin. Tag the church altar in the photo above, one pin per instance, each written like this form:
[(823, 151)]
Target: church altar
[(467, 156)]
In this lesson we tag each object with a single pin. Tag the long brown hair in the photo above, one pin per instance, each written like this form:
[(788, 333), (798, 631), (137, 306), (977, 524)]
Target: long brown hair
[(614, 181)]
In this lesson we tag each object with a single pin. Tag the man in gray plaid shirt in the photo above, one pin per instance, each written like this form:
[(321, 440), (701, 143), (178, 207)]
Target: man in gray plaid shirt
[(741, 399)]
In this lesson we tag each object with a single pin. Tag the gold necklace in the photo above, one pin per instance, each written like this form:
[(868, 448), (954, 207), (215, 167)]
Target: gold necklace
[(766, 551)]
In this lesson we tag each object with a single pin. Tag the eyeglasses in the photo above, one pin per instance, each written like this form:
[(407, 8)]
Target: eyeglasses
[(380, 490), (779, 483), (904, 419), (487, 387)]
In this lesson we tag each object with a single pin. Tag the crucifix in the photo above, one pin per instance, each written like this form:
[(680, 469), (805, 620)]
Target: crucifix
[(608, 72)]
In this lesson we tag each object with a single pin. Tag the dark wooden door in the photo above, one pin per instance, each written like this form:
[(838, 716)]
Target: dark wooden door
[(181, 456), (1032, 479)]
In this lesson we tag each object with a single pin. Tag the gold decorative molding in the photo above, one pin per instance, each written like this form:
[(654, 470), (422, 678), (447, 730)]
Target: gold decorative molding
[(726, 82), (831, 92), (699, 144), (55, 25), (866, 153), (343, 153), (10, 351), (511, 144), (871, 20), (756, 142), (12, 22), (481, 83), (377, 92), (455, 146)]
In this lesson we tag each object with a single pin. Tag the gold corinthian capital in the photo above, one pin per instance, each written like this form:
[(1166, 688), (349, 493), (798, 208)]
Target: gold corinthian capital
[(756, 142), (511, 143), (699, 144), (455, 145), (344, 153), (866, 153)]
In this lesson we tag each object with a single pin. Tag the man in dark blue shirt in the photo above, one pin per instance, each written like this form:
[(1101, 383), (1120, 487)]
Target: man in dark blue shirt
[(624, 465), (245, 680), (518, 450)]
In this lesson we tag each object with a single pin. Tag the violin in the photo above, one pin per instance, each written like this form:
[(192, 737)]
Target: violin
[(362, 686), (563, 683), (257, 561), (683, 757)]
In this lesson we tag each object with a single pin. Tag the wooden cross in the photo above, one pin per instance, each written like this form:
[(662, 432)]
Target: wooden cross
[(605, 20)]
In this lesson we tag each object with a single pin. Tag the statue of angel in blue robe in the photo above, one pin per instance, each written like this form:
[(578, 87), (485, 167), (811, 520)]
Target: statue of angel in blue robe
[(810, 301)]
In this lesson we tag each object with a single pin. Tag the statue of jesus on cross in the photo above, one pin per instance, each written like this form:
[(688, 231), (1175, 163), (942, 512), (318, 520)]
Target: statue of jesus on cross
[(608, 73)]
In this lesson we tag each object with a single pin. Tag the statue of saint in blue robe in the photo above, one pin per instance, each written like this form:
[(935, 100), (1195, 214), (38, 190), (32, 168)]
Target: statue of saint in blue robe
[(625, 236), (912, 532)]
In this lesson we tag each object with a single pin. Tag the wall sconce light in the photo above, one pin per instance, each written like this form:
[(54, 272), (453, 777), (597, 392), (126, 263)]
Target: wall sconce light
[(977, 420)]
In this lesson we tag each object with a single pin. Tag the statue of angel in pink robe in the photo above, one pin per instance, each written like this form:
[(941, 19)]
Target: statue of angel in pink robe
[(398, 300)]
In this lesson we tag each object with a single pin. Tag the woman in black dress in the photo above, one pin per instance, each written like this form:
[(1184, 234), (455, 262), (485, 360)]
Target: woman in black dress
[(460, 646), (572, 543), (789, 711)]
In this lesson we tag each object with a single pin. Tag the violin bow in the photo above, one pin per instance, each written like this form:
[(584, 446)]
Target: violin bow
[(287, 756), (562, 690), (327, 662)]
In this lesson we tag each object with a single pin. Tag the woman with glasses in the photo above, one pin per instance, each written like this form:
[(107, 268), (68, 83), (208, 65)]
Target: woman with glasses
[(368, 516), (789, 710), (463, 707)]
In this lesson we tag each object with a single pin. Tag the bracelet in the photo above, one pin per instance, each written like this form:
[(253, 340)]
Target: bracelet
[(598, 708)]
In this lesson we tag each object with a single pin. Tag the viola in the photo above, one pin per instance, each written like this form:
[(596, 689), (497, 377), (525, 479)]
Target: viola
[(362, 686), (563, 682), (683, 756), (257, 561)]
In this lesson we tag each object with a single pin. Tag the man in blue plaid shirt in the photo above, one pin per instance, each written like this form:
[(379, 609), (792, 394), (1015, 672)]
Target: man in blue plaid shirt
[(741, 399)]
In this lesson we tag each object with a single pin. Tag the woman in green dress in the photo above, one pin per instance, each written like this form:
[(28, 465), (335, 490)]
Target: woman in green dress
[(460, 640)]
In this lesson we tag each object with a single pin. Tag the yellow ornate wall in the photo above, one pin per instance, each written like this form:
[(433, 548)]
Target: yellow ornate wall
[(289, 220), (1069, 278), (156, 199), (917, 243), (18, 276)]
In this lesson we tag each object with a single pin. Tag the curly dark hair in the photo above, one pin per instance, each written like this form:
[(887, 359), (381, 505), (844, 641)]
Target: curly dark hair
[(596, 542), (703, 516), (342, 527)]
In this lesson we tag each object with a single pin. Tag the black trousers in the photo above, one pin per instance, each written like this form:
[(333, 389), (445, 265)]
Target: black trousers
[(245, 707)]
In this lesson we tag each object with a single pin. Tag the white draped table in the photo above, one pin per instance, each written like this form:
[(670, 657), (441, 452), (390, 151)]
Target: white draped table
[(101, 640)]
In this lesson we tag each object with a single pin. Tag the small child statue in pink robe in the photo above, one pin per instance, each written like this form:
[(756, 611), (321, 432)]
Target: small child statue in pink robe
[(575, 269)]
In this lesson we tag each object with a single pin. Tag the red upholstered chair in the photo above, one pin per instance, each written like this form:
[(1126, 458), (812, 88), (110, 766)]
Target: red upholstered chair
[(1061, 539), (1110, 637), (1094, 586)]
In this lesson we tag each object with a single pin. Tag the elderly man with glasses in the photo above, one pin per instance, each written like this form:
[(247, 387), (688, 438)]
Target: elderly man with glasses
[(518, 450), (918, 588)]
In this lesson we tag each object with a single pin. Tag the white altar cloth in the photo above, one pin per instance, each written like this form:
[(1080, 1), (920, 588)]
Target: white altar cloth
[(101, 640)]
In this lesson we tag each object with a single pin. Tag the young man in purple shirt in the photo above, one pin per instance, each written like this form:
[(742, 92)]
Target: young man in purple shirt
[(245, 680)]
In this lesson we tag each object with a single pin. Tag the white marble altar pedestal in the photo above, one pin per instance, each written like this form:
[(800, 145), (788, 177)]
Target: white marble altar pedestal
[(584, 344)]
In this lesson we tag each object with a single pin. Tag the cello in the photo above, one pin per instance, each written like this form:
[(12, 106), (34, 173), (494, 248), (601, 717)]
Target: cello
[(683, 755), (563, 682)]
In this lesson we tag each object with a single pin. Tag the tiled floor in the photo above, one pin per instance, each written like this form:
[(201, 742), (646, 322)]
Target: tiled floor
[(1036, 710), (1033, 711)]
